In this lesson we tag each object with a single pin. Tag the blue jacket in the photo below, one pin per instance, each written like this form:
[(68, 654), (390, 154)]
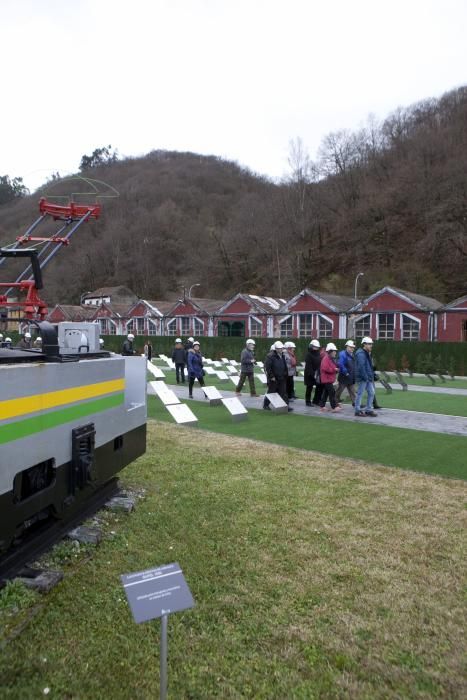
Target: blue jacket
[(195, 364), (364, 371), (346, 368)]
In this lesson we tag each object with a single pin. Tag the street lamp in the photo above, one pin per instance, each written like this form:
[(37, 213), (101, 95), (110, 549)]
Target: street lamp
[(360, 274), (198, 284)]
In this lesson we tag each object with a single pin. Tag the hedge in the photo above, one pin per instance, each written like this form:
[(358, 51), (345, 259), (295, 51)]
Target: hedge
[(448, 358)]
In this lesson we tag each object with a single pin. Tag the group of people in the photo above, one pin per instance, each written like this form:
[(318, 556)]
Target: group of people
[(26, 342), (354, 372)]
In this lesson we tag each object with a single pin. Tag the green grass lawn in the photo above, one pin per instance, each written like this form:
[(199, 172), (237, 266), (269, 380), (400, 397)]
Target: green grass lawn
[(313, 578), (416, 450)]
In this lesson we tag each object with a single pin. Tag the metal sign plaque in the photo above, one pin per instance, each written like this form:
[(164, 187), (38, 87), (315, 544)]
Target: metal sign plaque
[(234, 380), (209, 370), (231, 369), (156, 592), (156, 372), (166, 395), (236, 409), (278, 404), (222, 376), (213, 394), (217, 363), (225, 360), (182, 414), (261, 377)]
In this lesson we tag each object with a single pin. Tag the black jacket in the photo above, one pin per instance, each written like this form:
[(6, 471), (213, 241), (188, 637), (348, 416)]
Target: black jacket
[(179, 356), (127, 348), (275, 366), (312, 363)]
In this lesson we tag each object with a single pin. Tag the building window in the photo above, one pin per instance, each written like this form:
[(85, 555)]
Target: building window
[(386, 326), (362, 327), (286, 327), (171, 326), (185, 325), (135, 325), (237, 328), (198, 327), (256, 328), (107, 327), (152, 327), (325, 327), (410, 328), (304, 325)]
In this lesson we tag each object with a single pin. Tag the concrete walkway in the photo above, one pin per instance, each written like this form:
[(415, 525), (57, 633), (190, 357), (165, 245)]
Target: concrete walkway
[(438, 389), (431, 422)]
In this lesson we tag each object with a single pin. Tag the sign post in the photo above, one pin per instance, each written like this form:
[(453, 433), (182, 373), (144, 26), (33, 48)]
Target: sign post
[(158, 593)]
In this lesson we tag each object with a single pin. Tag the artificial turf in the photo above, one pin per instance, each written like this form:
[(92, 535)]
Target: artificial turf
[(420, 451)]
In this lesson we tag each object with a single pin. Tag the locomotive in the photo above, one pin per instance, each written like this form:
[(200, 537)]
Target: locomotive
[(71, 414)]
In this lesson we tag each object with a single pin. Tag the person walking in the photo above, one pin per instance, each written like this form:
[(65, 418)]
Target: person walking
[(148, 351), (275, 368), (291, 361), (346, 376), (364, 376), (127, 348), (311, 376), (328, 371), (247, 360), (179, 358), (195, 367)]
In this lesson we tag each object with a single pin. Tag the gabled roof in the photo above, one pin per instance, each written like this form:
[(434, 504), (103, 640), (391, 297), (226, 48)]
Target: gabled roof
[(116, 310), (120, 292), (262, 304), (423, 302), (335, 302), (74, 312), (456, 302), (210, 306), (158, 308)]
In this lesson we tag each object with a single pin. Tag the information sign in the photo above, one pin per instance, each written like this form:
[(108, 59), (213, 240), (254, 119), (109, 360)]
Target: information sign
[(156, 592)]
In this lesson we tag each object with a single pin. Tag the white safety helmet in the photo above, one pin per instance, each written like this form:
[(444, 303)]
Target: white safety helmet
[(196, 342), (1, 336), (350, 344), (38, 339), (250, 341), (367, 340), (130, 336), (27, 335), (278, 345), (315, 343), (101, 341), (178, 340), (289, 344), (330, 346), (273, 346), (191, 340), (7, 340)]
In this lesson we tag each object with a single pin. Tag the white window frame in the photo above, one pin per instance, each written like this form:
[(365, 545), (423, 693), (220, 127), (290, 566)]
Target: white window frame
[(250, 327), (107, 326), (412, 318), (185, 330), (288, 320), (153, 326), (360, 318), (308, 332), (198, 332), (171, 327), (319, 316), (386, 313)]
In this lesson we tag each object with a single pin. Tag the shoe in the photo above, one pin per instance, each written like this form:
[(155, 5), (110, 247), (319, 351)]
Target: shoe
[(377, 408), (238, 393), (266, 408), (372, 414), (289, 409), (337, 409), (353, 404), (323, 409), (308, 403), (360, 414)]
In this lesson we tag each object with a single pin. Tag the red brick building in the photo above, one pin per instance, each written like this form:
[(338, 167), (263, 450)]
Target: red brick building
[(395, 314), (312, 314), (452, 321), (248, 315)]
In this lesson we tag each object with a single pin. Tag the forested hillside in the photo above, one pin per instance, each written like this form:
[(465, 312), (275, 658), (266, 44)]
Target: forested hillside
[(389, 200)]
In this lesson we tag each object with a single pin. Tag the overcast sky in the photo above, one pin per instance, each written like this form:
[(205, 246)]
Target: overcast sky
[(233, 78)]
